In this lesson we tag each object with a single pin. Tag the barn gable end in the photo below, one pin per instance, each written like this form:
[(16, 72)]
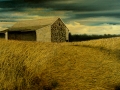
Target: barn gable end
[(59, 31)]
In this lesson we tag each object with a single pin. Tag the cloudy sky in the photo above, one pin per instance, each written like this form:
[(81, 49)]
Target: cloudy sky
[(81, 16)]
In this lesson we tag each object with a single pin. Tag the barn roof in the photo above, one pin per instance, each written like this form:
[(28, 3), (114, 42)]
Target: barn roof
[(3, 31), (31, 25)]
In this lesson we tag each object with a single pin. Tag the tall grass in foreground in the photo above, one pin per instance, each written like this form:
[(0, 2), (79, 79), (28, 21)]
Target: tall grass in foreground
[(90, 65)]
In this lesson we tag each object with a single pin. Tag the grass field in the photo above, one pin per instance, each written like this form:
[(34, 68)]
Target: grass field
[(88, 65)]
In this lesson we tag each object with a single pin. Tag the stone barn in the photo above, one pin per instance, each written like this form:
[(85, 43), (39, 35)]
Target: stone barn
[(44, 30)]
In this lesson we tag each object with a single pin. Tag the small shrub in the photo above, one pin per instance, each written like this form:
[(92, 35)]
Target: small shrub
[(54, 84), (35, 81), (47, 88)]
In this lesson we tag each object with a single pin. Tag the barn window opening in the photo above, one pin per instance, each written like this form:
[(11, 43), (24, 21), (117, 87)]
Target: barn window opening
[(21, 35), (59, 24), (2, 35), (67, 41)]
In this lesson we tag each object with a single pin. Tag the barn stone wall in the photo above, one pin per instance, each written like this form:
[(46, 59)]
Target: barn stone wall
[(26, 36), (44, 34), (58, 31)]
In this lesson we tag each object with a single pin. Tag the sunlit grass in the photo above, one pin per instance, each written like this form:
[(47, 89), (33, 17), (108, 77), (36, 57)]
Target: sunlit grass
[(88, 65)]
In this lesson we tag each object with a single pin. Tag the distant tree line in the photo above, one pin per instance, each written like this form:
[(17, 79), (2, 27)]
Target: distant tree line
[(84, 37)]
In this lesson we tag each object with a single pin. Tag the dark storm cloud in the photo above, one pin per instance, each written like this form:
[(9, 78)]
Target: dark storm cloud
[(38, 1), (105, 14), (76, 5), (74, 9), (96, 5)]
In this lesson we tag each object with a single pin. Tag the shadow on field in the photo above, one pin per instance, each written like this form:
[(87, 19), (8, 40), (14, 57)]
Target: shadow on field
[(117, 87), (94, 47)]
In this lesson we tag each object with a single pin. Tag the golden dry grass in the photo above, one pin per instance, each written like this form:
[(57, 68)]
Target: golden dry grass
[(88, 65)]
